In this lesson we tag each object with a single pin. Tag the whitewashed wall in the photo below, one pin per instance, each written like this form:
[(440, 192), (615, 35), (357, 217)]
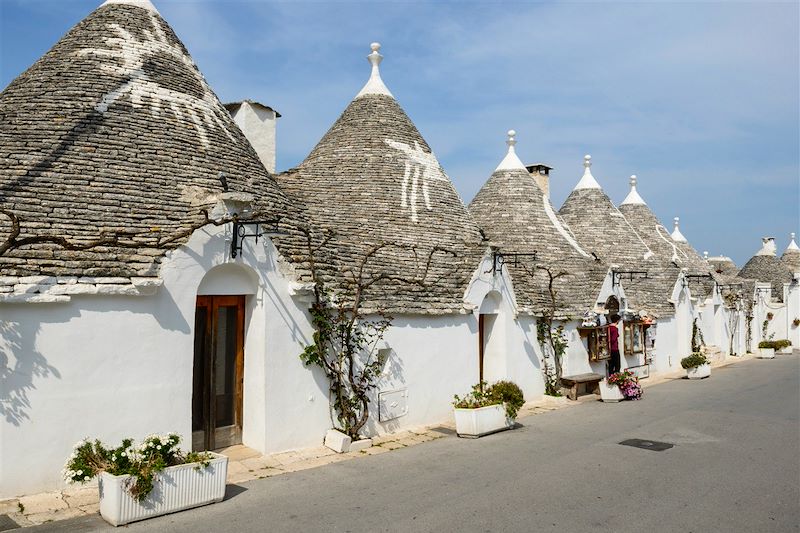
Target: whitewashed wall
[(258, 123), (110, 367), (780, 326), (513, 351), (792, 312), (576, 360)]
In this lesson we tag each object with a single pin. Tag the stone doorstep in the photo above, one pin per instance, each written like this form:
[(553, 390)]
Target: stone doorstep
[(43, 502)]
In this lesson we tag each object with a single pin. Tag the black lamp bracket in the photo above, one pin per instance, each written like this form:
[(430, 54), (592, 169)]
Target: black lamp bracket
[(514, 259), (256, 230), (630, 275)]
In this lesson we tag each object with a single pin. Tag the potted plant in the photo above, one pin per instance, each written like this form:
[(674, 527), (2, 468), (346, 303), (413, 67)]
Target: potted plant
[(487, 409), (696, 365), (627, 383), (766, 350), (796, 322), (152, 479), (783, 346), (610, 392)]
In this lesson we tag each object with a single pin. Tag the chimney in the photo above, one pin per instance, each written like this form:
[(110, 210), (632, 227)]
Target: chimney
[(541, 175), (258, 123), (767, 246)]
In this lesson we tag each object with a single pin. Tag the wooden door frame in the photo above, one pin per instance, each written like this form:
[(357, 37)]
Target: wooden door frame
[(212, 303), (481, 345)]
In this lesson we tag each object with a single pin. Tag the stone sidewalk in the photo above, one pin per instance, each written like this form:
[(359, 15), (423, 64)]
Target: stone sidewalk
[(246, 464)]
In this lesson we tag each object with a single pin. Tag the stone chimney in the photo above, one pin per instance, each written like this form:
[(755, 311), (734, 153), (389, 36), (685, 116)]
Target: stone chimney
[(258, 123), (541, 175), (767, 246)]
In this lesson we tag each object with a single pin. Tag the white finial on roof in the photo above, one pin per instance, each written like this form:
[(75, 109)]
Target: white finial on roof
[(145, 4), (767, 246), (677, 236), (633, 196), (705, 255), (511, 161), (587, 181), (792, 245), (375, 84)]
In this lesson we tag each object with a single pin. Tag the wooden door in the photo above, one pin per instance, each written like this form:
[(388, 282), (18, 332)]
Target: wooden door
[(217, 388)]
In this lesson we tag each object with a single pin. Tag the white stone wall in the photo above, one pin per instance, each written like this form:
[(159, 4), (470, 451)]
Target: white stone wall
[(111, 367), (121, 366), (780, 326), (793, 312), (513, 352)]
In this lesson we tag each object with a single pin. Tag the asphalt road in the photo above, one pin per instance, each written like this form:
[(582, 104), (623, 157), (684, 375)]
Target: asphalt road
[(735, 466)]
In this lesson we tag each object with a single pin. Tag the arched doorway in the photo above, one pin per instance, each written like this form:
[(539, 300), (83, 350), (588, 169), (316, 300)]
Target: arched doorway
[(218, 371), (612, 305), (491, 356)]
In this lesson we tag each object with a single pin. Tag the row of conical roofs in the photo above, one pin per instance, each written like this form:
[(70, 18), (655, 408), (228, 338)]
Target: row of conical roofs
[(115, 131)]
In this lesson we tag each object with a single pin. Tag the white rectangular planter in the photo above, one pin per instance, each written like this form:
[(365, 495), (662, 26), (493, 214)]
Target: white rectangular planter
[(481, 421), (699, 372), (766, 353), (175, 488), (610, 393)]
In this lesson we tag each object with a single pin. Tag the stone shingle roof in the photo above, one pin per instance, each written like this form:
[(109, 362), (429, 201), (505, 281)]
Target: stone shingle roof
[(518, 218), (791, 256), (116, 129), (723, 265), (670, 255), (373, 179), (792, 260), (603, 230), (767, 269)]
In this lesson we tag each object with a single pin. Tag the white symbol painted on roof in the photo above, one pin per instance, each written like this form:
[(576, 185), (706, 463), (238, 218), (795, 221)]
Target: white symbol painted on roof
[(140, 61), (420, 166)]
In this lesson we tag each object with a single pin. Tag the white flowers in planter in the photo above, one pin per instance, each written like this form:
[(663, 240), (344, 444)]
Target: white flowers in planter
[(147, 480), (142, 463)]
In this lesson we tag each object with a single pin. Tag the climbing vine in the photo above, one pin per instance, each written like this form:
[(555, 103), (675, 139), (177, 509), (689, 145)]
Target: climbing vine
[(734, 302), (346, 340), (552, 339), (697, 337)]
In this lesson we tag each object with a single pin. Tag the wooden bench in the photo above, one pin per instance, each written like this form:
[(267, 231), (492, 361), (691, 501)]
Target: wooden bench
[(570, 383)]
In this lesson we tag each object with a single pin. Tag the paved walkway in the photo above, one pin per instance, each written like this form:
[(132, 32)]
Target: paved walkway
[(246, 464)]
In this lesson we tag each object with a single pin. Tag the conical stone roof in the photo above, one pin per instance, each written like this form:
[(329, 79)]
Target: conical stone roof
[(723, 265), (791, 256), (671, 255), (767, 268), (373, 180), (603, 230), (518, 217), (116, 130)]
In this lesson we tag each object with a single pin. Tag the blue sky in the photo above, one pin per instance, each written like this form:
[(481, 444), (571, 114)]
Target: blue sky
[(699, 99)]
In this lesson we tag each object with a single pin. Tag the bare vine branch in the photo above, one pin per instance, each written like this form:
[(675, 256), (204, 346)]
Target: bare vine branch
[(546, 333), (345, 344), (116, 239)]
